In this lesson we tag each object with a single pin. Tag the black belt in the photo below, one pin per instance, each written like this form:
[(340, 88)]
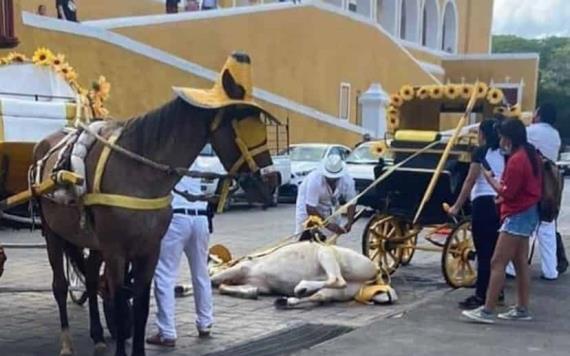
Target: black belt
[(193, 212)]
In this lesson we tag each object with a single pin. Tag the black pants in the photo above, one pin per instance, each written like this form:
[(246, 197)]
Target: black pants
[(485, 226)]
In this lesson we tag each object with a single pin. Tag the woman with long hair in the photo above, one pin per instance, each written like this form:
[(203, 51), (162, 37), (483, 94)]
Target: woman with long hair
[(485, 220), (519, 193)]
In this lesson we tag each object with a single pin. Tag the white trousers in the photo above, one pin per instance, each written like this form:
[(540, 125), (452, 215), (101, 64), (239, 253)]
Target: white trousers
[(189, 234), (546, 236)]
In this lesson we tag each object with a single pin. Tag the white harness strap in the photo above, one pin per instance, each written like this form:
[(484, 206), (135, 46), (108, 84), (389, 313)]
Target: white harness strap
[(79, 153)]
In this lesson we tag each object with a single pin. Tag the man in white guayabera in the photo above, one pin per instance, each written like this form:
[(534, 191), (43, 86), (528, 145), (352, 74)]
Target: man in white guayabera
[(322, 192)]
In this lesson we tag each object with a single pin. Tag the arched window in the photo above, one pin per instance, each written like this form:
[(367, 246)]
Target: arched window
[(430, 21), (385, 11), (449, 28), (7, 36), (409, 19)]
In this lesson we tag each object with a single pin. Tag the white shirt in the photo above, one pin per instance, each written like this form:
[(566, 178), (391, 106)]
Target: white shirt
[(497, 163), (545, 138), (192, 186), (316, 192)]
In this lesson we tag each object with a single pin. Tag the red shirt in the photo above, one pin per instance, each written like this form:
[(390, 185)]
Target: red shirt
[(521, 189)]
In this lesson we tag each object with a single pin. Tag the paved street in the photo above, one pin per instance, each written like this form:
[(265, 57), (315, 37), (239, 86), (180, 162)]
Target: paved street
[(30, 323)]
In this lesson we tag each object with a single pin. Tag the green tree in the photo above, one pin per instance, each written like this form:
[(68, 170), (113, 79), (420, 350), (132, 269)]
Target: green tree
[(554, 75)]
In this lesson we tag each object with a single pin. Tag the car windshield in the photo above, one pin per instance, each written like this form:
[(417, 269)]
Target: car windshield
[(307, 153), (361, 154), (207, 151)]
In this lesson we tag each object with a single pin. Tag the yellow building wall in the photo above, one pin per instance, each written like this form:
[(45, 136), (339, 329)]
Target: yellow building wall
[(498, 71), (475, 19), (100, 9), (301, 53)]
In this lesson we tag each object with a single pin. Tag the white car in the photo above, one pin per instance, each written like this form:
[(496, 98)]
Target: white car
[(208, 161), (305, 158), (564, 163)]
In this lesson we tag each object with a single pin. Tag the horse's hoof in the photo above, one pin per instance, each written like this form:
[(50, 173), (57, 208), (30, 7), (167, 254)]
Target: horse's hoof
[(281, 303)]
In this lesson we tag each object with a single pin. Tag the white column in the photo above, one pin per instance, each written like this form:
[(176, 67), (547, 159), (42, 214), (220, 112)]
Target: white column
[(373, 103)]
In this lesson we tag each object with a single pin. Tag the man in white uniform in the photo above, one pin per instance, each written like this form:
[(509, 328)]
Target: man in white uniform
[(189, 233), (545, 138), (322, 191)]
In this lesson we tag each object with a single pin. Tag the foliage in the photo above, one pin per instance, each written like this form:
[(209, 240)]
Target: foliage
[(554, 77)]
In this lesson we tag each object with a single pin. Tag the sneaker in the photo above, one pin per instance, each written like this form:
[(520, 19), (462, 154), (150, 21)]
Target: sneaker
[(479, 315), (205, 332), (544, 278), (471, 302), (515, 313), (158, 340)]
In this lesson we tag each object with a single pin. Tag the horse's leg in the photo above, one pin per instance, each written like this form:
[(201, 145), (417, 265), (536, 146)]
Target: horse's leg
[(327, 258), (245, 291), (233, 275), (55, 247), (115, 274), (143, 270), (324, 295), (92, 281)]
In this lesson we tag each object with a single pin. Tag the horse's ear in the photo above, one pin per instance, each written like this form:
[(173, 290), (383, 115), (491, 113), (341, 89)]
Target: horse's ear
[(231, 87)]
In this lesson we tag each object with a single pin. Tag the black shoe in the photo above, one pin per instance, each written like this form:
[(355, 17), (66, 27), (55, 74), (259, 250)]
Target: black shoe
[(471, 302)]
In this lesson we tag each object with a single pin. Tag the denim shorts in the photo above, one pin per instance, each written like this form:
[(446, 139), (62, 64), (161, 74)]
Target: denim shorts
[(522, 224)]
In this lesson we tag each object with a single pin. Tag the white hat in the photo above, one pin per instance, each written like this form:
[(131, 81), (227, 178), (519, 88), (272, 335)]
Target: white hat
[(333, 166)]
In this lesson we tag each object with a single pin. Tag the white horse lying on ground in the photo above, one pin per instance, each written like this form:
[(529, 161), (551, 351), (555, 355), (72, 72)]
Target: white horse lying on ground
[(305, 272)]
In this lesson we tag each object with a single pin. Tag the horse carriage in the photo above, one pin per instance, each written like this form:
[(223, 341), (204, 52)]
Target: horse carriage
[(431, 164)]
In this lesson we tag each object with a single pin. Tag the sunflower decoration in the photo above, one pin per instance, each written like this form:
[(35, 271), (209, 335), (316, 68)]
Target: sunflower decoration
[(313, 221), (102, 88), (396, 100), (466, 91), (495, 96), (16, 58), (393, 111), (423, 93), (407, 92), (500, 110), (514, 111), (58, 60), (378, 148), (481, 90), (42, 57), (436, 92), (393, 123), (451, 91)]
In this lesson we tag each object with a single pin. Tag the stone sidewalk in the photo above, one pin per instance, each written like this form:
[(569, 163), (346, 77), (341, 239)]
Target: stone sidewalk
[(30, 321)]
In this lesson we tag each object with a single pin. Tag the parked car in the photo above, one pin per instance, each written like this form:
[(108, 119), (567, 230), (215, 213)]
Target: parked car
[(208, 161), (564, 163), (306, 157)]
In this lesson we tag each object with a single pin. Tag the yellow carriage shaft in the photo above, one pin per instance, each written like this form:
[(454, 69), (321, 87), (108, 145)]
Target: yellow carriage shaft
[(49, 185)]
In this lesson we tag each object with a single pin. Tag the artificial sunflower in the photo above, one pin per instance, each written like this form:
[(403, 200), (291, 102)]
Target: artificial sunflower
[(495, 96), (481, 90), (501, 110), (423, 93), (436, 92), (515, 111), (378, 148), (58, 60), (392, 110), (17, 58), (407, 92), (466, 91), (393, 122), (451, 91), (313, 221), (102, 87), (42, 57), (396, 100)]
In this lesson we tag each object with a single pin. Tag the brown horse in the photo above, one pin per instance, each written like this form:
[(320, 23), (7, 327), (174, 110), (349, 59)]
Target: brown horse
[(172, 135)]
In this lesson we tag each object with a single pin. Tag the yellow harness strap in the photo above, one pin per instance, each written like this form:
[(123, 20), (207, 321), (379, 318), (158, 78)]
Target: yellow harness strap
[(119, 201)]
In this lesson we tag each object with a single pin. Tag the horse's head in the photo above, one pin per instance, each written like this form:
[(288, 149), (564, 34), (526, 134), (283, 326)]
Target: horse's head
[(237, 132)]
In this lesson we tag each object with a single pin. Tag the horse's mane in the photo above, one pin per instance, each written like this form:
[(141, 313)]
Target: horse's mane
[(146, 132)]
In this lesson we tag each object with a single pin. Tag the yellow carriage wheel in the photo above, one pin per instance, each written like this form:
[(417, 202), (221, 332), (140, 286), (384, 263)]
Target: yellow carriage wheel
[(458, 260), (381, 241)]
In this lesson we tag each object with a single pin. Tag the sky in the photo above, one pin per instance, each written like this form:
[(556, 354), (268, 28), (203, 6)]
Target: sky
[(532, 18)]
